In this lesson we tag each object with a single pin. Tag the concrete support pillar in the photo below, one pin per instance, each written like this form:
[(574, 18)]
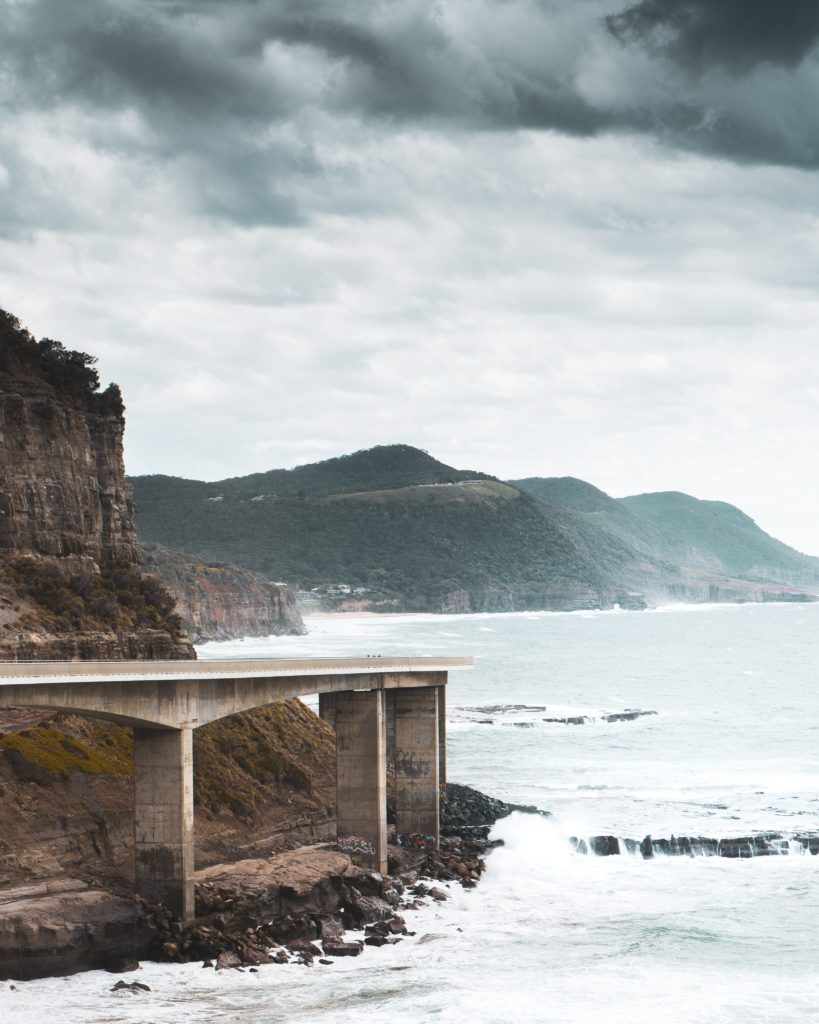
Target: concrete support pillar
[(327, 709), (416, 761), (163, 817), (442, 736), (389, 704), (361, 785)]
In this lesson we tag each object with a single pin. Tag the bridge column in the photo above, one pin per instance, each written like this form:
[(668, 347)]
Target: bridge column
[(416, 761), (163, 817), (442, 735), (361, 784), (327, 709)]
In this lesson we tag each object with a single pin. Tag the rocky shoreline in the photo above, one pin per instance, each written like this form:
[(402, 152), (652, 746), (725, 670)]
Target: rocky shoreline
[(299, 906), (293, 906)]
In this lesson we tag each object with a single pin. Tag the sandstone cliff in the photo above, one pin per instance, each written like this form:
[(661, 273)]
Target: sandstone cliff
[(69, 582), (217, 601)]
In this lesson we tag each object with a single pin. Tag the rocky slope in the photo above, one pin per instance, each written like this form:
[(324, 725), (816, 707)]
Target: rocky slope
[(69, 582), (217, 601), (264, 780)]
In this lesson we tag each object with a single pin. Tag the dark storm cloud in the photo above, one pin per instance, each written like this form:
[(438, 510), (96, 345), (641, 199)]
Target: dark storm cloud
[(734, 34), (239, 103)]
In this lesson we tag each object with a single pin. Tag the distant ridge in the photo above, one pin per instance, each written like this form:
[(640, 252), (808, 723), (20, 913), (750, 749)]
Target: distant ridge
[(393, 529), (683, 533), (714, 533)]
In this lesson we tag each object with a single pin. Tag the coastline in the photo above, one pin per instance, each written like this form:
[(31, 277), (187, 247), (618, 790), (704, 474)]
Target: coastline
[(307, 904)]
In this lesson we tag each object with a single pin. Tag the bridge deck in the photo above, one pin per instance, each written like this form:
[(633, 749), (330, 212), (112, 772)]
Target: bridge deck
[(34, 672)]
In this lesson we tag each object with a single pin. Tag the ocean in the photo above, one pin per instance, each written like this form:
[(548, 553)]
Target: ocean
[(551, 935)]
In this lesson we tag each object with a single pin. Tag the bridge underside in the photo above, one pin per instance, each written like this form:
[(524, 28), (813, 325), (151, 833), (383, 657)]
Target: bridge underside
[(378, 717)]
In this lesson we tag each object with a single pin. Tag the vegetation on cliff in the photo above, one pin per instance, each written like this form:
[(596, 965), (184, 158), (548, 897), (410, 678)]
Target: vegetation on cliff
[(70, 585), (115, 596), (70, 373)]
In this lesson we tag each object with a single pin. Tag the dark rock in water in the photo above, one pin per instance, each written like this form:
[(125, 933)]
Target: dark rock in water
[(763, 844), (304, 946), (228, 961), (131, 986), (605, 846), (470, 814), (331, 929), (368, 908), (342, 948), (629, 715)]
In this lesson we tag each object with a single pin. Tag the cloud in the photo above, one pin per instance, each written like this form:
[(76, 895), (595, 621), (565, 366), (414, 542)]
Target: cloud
[(507, 231), (736, 35), (237, 111)]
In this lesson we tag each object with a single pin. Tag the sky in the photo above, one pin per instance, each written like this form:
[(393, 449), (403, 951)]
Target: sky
[(533, 237)]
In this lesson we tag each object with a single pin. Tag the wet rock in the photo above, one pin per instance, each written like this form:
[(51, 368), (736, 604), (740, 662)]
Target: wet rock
[(331, 929), (131, 986), (605, 846), (369, 908), (228, 961), (123, 966), (342, 948), (629, 715), (304, 946), (68, 927)]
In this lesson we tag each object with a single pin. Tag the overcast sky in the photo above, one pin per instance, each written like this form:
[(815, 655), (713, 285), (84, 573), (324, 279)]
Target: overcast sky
[(534, 237)]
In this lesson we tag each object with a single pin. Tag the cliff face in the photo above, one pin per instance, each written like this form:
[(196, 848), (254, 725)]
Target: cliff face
[(62, 479), (217, 601), (69, 583)]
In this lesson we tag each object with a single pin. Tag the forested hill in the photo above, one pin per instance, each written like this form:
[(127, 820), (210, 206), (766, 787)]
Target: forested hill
[(385, 467), (714, 533), (396, 526), (678, 529), (394, 529)]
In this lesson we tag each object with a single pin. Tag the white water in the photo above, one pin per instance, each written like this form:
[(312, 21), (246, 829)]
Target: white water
[(550, 935)]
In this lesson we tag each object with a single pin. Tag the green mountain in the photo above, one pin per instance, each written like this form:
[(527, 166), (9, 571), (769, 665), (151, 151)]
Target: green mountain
[(685, 539), (398, 528), (718, 536), (393, 529)]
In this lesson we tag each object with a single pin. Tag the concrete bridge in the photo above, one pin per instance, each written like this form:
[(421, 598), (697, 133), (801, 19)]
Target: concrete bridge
[(375, 705)]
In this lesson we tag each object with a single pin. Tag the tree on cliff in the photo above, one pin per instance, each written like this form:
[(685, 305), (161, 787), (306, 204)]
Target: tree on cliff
[(68, 371)]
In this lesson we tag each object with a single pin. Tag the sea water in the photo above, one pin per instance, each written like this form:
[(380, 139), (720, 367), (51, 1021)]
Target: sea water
[(551, 935)]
